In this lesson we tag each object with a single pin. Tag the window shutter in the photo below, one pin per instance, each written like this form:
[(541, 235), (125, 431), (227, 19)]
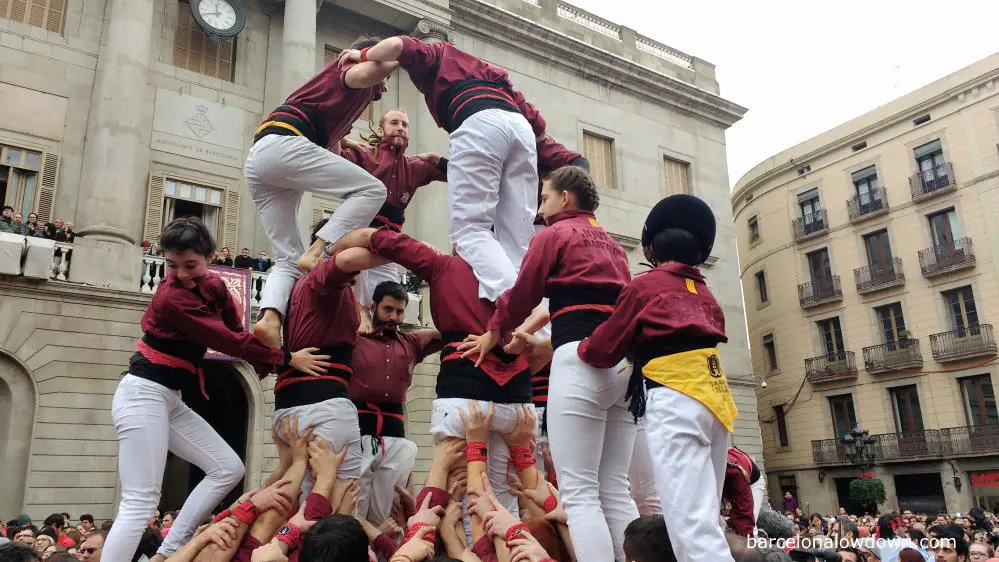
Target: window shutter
[(677, 177), (49, 179), (230, 232), (56, 16), (323, 207), (17, 10), (36, 13), (154, 209)]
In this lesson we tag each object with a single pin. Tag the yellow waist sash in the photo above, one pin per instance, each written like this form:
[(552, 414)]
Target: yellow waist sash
[(698, 374)]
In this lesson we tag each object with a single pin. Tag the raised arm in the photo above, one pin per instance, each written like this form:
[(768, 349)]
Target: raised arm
[(368, 74)]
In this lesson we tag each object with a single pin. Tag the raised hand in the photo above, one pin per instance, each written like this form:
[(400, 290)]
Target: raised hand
[(223, 533), (479, 345), (448, 452), (527, 549), (523, 433), (276, 496), (349, 56), (349, 501), (279, 434), (300, 442), (390, 528), (426, 514), (322, 459), (499, 520), (407, 502), (476, 423), (417, 549)]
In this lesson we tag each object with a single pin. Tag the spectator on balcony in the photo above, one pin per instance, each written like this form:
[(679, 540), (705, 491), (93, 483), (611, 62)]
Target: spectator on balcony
[(17, 223), (243, 260), (49, 231), (65, 233), (262, 263), (223, 258), (7, 220), (31, 226)]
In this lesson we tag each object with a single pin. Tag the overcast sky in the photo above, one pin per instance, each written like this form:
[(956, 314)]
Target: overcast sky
[(804, 67)]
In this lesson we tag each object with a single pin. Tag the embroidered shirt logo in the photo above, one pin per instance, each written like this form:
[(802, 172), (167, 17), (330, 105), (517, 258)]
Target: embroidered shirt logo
[(714, 366)]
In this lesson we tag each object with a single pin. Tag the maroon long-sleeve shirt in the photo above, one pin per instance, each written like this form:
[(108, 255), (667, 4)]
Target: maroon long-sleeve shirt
[(322, 313), (657, 314), (336, 104), (435, 68), (457, 311), (578, 266), (401, 174), (737, 490)]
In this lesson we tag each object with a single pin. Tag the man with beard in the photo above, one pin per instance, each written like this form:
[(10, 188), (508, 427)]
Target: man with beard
[(383, 364), (385, 158)]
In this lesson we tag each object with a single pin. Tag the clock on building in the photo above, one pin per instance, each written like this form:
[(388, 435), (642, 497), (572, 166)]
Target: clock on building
[(219, 19)]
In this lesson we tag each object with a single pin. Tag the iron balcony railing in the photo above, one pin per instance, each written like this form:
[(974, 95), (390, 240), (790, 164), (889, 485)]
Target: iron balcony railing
[(819, 291), (879, 276), (892, 356), (810, 225), (831, 366), (963, 343), (971, 440), (866, 205), (945, 258), (927, 183)]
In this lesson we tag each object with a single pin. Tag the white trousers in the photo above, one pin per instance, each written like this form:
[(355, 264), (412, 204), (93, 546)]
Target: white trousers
[(381, 472), (335, 420), (492, 188), (150, 420), (689, 449), (592, 438), (759, 489), (445, 421), (278, 171), (642, 478), (368, 279), (540, 438)]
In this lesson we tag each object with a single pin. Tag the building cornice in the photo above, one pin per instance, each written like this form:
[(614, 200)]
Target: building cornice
[(76, 293), (533, 40), (850, 138)]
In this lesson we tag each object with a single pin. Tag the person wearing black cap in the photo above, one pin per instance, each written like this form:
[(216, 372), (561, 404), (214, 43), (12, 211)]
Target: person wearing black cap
[(670, 323)]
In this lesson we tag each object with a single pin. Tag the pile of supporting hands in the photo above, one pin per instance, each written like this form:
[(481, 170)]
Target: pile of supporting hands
[(257, 527)]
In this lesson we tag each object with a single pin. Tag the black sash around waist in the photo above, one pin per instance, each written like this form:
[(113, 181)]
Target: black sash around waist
[(459, 378), (381, 419), (295, 388), (172, 377), (468, 97), (293, 119), (576, 313), (391, 216)]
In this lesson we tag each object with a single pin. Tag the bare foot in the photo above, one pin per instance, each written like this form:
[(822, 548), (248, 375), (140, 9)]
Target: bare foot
[(268, 328), (312, 256)]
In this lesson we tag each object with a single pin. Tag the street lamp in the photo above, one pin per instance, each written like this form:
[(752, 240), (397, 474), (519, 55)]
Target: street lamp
[(859, 446)]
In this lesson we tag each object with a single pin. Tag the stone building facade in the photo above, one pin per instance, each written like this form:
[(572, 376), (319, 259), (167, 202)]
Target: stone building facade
[(868, 258), (123, 114)]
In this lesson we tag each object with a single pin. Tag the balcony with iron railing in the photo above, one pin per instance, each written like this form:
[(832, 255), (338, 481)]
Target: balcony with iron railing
[(963, 343), (951, 442), (840, 365), (864, 206), (946, 258), (930, 183), (819, 291), (872, 278), (810, 226), (893, 356)]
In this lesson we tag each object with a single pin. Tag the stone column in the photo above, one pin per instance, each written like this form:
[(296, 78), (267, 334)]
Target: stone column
[(430, 31), (115, 159), (298, 44)]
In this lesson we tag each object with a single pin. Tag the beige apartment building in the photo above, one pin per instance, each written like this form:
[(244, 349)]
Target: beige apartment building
[(121, 115), (869, 268)]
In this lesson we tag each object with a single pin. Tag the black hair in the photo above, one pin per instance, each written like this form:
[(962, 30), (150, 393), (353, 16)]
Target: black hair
[(56, 520), (48, 532), (576, 180), (389, 289), (365, 42), (187, 233), (335, 538), (5, 207), (885, 529), (17, 552), (148, 544), (87, 517), (955, 532), (674, 244), (106, 525), (316, 228), (916, 535), (647, 540)]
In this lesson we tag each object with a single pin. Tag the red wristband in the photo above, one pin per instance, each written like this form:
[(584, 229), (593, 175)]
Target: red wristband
[(516, 532), (289, 535), (364, 54), (522, 457), (246, 512), (225, 513), (475, 451), (415, 528), (551, 504)]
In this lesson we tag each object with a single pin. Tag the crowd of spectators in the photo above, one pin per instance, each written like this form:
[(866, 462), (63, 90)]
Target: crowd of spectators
[(14, 223)]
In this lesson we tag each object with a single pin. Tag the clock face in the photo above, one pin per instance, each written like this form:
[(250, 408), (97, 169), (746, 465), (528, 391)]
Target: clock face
[(218, 14)]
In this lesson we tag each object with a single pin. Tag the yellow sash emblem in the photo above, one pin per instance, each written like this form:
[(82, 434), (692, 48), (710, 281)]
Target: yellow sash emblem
[(698, 374)]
